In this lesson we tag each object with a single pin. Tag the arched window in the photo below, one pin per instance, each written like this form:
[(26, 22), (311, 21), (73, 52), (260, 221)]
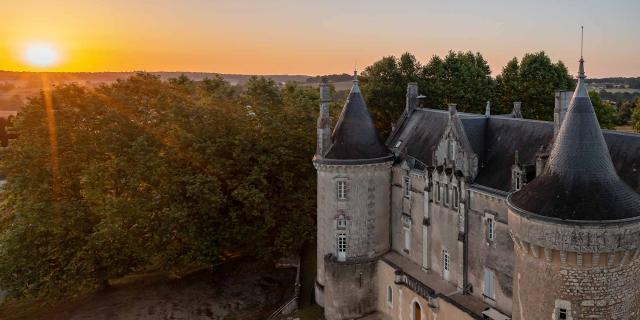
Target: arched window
[(417, 311)]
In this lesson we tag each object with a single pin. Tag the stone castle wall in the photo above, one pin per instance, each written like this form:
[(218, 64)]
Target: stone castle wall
[(350, 288)]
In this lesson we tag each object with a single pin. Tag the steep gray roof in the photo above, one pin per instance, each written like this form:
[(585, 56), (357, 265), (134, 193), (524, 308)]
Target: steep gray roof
[(580, 181), (355, 140), (505, 136), (420, 134)]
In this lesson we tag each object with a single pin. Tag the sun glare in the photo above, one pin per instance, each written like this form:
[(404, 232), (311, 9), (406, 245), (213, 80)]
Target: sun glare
[(41, 55)]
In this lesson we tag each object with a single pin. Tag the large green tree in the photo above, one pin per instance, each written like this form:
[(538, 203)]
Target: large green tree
[(148, 174), (605, 111), (533, 82), (463, 78)]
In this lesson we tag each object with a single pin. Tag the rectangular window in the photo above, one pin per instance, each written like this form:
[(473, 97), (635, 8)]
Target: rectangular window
[(445, 259), (342, 247), (445, 264), (438, 192), (407, 186), (389, 295), (452, 150), (491, 225), (406, 220), (488, 290), (341, 223), (518, 181), (342, 190), (445, 189), (456, 199), (407, 239)]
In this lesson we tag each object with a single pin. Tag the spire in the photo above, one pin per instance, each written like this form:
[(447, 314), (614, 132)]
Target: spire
[(581, 68), (355, 139)]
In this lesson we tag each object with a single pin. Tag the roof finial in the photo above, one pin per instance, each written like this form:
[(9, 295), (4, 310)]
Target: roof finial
[(355, 87), (581, 70)]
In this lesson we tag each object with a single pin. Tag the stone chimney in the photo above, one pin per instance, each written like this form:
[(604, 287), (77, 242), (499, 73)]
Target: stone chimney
[(563, 98), (412, 97), (517, 109), (324, 121), (452, 110)]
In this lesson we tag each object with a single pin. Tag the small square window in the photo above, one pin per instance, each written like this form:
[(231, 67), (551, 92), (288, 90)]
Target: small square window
[(406, 220), (562, 314), (398, 144), (341, 223)]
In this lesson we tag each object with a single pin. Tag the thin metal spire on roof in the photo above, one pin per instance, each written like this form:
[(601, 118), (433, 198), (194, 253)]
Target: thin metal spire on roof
[(581, 70)]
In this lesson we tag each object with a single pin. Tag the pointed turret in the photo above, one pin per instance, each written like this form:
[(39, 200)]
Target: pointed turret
[(579, 181), (355, 139)]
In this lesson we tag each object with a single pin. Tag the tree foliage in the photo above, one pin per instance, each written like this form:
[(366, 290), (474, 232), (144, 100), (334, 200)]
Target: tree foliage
[(149, 174), (533, 82), (605, 112)]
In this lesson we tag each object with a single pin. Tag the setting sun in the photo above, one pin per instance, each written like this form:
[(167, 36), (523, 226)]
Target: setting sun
[(41, 55)]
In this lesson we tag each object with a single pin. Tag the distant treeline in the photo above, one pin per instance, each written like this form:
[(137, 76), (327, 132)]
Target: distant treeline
[(331, 78), (632, 82)]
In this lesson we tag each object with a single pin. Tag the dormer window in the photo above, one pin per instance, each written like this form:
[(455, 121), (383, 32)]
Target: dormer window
[(341, 190), (452, 150), (398, 144)]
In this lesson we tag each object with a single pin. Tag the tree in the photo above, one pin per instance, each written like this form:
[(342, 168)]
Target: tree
[(533, 82), (605, 112), (635, 116), (463, 78), (145, 174), (384, 84)]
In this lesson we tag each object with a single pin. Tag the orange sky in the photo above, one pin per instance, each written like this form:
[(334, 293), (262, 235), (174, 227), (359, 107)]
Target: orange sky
[(313, 37)]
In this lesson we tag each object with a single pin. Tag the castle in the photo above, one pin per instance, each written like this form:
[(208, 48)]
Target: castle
[(477, 216)]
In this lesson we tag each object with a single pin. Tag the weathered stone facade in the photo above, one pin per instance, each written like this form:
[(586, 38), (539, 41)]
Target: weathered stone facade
[(433, 230)]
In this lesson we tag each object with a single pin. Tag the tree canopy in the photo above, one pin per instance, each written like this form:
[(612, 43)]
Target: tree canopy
[(149, 174)]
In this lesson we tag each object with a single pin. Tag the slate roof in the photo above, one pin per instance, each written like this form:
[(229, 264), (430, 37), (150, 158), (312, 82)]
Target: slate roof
[(420, 134), (505, 136), (580, 181), (495, 139), (355, 140)]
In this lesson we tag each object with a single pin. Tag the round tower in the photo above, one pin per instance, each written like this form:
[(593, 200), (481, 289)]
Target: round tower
[(354, 181), (576, 229)]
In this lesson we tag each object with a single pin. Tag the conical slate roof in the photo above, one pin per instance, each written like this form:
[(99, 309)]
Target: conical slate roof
[(580, 181), (355, 139)]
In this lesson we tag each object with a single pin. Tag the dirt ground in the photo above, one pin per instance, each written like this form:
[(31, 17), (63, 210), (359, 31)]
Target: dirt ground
[(239, 290)]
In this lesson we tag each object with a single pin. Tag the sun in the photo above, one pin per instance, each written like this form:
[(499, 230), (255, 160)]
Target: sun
[(41, 55)]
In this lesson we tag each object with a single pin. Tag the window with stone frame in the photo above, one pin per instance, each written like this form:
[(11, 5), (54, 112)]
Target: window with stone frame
[(562, 310), (389, 296), (456, 197), (445, 189), (490, 227), (341, 222), (452, 149), (407, 186), (438, 191), (341, 189)]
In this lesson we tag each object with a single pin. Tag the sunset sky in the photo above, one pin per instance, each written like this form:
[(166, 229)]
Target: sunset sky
[(313, 37)]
